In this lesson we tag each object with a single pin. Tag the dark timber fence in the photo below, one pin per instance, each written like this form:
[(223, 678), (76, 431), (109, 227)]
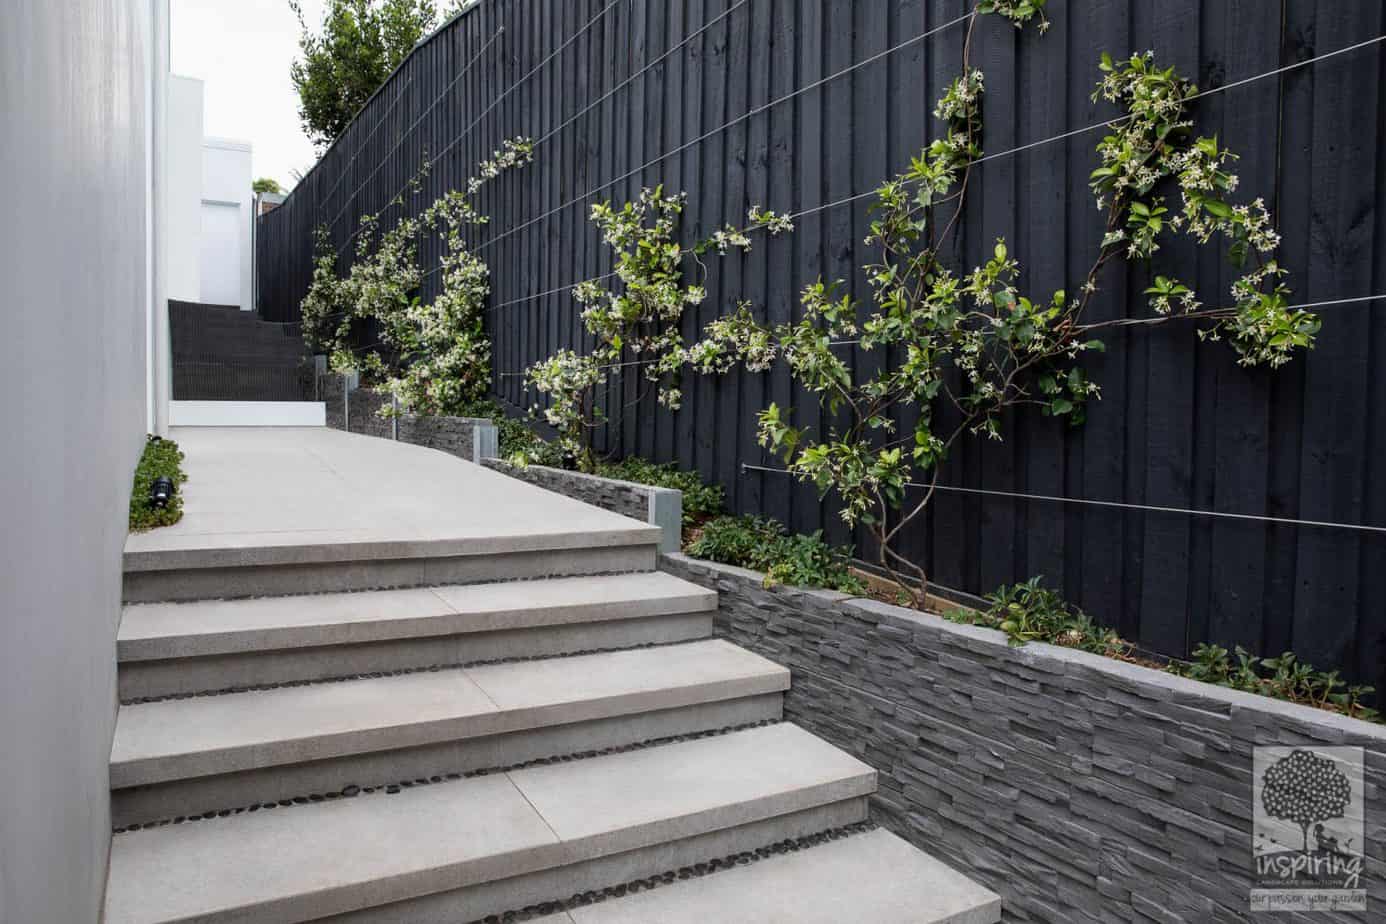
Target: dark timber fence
[(797, 104)]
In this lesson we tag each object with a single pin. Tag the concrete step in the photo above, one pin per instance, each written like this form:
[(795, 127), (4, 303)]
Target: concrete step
[(177, 648), (278, 511), (190, 756), (257, 564), (464, 849), (873, 876)]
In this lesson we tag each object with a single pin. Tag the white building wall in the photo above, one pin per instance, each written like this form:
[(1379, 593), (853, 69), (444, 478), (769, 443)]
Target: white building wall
[(227, 210), (79, 83), (184, 200)]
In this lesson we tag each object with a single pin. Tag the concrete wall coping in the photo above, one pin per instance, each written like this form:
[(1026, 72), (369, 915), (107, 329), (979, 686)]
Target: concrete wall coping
[(1057, 659), (585, 476), (662, 507)]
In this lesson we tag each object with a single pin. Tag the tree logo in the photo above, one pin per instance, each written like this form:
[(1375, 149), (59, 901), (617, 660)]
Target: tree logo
[(1308, 829)]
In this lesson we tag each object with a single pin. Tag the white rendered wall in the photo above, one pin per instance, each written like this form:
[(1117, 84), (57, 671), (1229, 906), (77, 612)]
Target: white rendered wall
[(75, 126), (184, 188), (227, 211)]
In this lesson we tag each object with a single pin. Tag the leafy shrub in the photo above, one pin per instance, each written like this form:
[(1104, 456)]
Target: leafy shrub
[(1029, 612), (762, 544), (700, 501), (1284, 677), (161, 459)]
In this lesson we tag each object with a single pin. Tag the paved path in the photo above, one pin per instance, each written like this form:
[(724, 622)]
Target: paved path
[(252, 487)]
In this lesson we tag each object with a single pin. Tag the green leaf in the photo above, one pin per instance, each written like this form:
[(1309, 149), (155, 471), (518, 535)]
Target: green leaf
[(1217, 208)]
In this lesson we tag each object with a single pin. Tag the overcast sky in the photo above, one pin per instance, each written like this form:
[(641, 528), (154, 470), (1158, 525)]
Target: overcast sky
[(242, 49)]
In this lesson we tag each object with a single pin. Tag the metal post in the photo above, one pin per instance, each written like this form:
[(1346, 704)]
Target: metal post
[(394, 418)]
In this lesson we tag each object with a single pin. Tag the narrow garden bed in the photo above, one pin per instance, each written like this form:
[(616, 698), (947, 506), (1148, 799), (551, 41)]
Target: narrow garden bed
[(161, 458)]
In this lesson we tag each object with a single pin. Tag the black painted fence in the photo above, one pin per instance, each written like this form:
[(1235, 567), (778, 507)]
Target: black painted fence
[(797, 104)]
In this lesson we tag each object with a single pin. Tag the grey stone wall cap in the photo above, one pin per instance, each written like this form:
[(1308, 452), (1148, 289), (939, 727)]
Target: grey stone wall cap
[(702, 566), (1073, 661), (584, 476)]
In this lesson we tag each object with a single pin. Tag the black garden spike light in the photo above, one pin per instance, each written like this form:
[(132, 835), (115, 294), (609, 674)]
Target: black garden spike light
[(161, 492)]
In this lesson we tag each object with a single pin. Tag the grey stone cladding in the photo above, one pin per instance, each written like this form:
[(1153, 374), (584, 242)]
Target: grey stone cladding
[(1080, 788), (662, 507), (469, 438)]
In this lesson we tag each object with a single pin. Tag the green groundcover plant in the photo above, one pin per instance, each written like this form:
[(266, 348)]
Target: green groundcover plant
[(762, 544), (700, 501), (161, 458), (1030, 612)]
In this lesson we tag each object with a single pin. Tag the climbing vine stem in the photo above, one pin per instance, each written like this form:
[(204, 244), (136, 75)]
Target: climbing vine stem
[(971, 346)]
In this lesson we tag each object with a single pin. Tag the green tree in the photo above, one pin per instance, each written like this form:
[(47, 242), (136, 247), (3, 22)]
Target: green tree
[(266, 184), (359, 43)]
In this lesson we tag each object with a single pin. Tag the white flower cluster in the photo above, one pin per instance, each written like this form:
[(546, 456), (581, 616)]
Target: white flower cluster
[(436, 358), (774, 222), (1154, 142), (567, 378), (959, 102)]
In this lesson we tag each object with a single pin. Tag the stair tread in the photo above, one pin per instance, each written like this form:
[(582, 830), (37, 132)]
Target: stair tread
[(874, 877), (153, 631), (333, 857), (201, 736)]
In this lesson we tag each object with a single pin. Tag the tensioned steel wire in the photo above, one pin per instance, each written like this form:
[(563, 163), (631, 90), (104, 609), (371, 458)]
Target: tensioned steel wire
[(1009, 152), (1089, 502), (754, 111), (379, 123), (551, 133), (405, 134), (466, 133)]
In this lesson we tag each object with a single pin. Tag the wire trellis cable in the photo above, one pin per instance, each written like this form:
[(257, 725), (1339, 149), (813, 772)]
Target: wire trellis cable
[(590, 106), (342, 175), (494, 103), (857, 197), (763, 107), (410, 130), (525, 79), (1122, 505), (640, 73)]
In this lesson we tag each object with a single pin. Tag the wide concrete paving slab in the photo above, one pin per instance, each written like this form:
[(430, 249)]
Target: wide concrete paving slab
[(304, 494), (328, 858), (645, 797), (183, 738), (301, 863), (151, 631), (873, 877)]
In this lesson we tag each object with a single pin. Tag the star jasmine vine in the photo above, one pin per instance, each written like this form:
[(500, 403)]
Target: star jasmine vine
[(971, 346), (433, 356), (640, 317), (1148, 148)]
